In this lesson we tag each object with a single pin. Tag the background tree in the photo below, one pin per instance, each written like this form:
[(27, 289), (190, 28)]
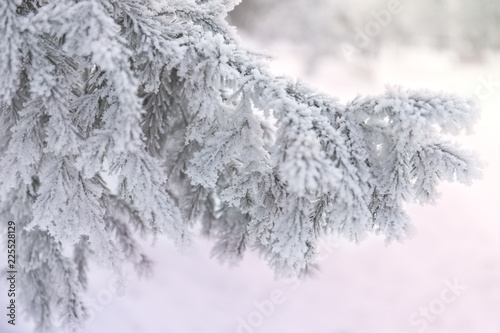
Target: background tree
[(320, 27), (317, 27), (196, 130)]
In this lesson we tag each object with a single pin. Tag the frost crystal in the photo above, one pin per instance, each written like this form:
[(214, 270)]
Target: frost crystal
[(196, 130)]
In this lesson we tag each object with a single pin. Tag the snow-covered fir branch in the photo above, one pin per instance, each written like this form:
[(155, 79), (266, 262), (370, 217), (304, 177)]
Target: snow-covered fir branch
[(197, 130)]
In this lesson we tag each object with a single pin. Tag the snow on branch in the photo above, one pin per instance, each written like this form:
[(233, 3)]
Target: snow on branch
[(197, 130)]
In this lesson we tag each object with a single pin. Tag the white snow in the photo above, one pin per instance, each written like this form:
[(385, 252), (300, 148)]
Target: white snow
[(370, 288)]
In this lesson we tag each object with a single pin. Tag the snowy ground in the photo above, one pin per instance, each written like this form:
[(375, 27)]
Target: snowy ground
[(371, 288)]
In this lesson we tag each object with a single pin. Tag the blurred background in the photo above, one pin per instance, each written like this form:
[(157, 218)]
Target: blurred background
[(319, 27), (446, 279)]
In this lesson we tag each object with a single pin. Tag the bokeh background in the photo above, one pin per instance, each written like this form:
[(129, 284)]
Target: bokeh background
[(449, 45)]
